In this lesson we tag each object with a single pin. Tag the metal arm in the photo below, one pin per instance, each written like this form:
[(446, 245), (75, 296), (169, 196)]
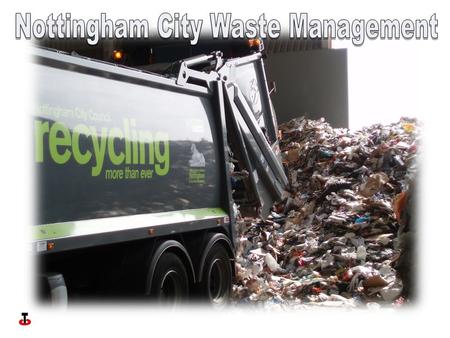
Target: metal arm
[(185, 72)]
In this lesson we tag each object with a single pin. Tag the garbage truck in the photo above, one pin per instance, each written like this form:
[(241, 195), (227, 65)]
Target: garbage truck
[(140, 176)]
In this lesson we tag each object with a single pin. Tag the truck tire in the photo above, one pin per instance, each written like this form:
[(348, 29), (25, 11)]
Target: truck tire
[(170, 283), (217, 276)]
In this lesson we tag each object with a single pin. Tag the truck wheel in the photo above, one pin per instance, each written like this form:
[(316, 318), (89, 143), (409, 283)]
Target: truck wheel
[(170, 282), (217, 276)]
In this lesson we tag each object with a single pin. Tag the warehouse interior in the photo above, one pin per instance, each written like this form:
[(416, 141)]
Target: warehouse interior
[(322, 91)]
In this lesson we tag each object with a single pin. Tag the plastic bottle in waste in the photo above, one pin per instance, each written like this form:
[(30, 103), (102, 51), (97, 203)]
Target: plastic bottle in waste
[(361, 253), (272, 263)]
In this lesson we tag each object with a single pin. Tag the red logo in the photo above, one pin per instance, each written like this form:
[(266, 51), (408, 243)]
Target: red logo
[(24, 321)]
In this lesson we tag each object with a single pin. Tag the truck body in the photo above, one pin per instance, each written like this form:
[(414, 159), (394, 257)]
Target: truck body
[(134, 191)]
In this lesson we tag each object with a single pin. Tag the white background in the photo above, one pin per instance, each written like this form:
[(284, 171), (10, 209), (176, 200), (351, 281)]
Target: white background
[(386, 80)]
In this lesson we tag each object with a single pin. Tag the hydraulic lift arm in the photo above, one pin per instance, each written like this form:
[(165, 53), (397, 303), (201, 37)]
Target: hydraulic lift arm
[(250, 119)]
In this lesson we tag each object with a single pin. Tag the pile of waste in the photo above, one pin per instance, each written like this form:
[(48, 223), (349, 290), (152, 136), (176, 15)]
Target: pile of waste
[(333, 241)]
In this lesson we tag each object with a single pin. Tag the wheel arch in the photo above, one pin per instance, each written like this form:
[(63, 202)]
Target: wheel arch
[(178, 249), (211, 241)]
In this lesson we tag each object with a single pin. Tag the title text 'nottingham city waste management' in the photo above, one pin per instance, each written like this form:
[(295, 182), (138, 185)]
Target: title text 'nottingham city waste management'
[(223, 25)]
